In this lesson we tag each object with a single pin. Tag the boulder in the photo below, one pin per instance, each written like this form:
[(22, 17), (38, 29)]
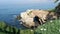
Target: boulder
[(28, 18)]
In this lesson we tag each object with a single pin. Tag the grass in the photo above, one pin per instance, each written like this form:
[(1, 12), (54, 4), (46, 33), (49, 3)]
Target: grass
[(51, 28), (47, 28), (7, 29)]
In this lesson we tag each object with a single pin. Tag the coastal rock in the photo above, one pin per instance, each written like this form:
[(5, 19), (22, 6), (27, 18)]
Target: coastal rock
[(27, 17)]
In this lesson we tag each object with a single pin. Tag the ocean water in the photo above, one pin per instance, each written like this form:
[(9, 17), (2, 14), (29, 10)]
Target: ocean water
[(8, 13)]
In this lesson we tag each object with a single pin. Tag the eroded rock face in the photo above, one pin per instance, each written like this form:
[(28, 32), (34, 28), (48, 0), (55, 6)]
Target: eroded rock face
[(27, 17), (27, 20)]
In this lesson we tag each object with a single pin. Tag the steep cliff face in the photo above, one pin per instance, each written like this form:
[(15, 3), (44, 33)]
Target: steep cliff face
[(28, 17)]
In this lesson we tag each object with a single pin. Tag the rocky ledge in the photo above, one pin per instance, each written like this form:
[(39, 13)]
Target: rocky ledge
[(33, 18)]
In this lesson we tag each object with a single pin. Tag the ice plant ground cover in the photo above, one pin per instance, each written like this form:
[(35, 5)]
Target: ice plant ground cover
[(51, 27)]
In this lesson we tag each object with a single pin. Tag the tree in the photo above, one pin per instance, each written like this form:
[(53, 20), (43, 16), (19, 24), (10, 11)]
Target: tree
[(56, 1), (57, 8)]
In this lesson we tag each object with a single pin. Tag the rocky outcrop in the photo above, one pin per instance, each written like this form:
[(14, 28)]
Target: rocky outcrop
[(33, 18)]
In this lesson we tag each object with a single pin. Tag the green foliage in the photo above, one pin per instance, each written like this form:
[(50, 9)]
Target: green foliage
[(56, 1), (27, 31), (52, 10), (50, 28)]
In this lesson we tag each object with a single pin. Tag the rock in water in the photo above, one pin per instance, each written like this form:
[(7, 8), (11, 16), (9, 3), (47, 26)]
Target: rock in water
[(27, 17)]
